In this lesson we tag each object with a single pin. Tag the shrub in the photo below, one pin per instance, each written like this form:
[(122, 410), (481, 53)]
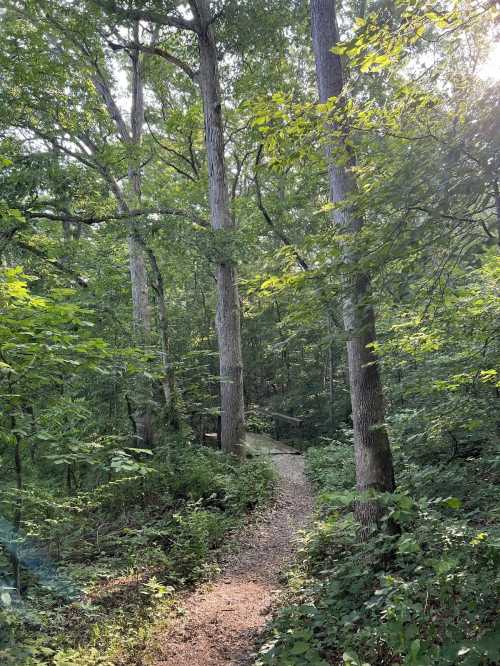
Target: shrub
[(425, 596), (110, 542)]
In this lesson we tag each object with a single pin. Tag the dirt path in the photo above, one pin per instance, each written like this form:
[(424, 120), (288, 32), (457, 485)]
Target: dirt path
[(222, 619)]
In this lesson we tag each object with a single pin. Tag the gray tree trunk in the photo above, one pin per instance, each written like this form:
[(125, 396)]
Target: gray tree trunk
[(141, 313), (141, 310), (168, 382), (228, 309), (374, 468), (18, 509), (331, 376), (496, 190)]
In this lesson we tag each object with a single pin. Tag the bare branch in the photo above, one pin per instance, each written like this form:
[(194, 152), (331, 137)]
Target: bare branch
[(445, 216), (104, 91), (180, 171), (239, 168), (176, 153), (84, 159)]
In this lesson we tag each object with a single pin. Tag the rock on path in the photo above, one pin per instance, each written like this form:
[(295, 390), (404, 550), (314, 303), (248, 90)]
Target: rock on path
[(222, 619)]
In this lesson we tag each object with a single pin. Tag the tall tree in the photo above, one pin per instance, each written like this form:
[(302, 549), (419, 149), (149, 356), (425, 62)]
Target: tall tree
[(132, 139), (374, 468), (228, 314), (222, 222)]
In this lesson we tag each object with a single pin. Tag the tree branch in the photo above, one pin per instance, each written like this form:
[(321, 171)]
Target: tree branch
[(126, 215), (62, 268), (110, 7), (175, 152), (156, 50), (180, 171), (102, 88), (445, 216), (283, 238)]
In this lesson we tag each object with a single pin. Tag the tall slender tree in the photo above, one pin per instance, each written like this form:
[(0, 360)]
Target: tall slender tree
[(228, 314), (374, 467), (222, 221), (132, 138)]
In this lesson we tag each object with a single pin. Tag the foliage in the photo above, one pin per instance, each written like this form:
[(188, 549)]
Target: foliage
[(427, 595), (104, 563), (99, 530)]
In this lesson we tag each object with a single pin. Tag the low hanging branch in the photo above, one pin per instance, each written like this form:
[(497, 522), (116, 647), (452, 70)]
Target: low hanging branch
[(265, 214), (55, 263)]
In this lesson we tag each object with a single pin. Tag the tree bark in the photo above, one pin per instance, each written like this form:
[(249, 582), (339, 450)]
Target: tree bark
[(496, 190), (374, 468), (18, 510), (228, 315), (331, 377), (137, 263), (168, 381), (141, 312), (228, 309)]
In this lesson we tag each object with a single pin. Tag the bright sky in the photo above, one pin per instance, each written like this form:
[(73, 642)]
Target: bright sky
[(490, 68)]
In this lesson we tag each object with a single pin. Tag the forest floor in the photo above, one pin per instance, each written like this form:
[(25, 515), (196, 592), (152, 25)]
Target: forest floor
[(219, 623)]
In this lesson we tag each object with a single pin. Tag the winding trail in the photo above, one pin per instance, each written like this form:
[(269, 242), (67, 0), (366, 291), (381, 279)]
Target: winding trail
[(222, 619)]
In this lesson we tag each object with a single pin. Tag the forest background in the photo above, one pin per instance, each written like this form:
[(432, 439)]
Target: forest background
[(150, 170)]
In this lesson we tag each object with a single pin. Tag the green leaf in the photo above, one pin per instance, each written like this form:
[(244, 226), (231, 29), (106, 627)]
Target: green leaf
[(452, 502), (299, 648)]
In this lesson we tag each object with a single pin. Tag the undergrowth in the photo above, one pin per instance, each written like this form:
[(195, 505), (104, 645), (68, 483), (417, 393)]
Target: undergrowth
[(427, 597), (102, 565)]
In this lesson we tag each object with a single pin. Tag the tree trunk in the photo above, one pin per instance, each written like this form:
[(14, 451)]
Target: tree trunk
[(496, 190), (168, 381), (141, 314), (331, 376), (141, 414), (137, 263), (374, 469), (142, 337), (228, 311), (18, 509)]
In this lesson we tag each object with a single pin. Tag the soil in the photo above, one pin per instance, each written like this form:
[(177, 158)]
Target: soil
[(221, 621)]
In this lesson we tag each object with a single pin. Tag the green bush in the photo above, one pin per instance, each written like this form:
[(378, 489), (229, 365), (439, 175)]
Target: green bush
[(110, 543), (425, 596), (196, 532), (331, 466)]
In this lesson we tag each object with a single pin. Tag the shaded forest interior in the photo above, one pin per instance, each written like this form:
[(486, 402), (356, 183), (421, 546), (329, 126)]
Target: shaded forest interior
[(235, 226)]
